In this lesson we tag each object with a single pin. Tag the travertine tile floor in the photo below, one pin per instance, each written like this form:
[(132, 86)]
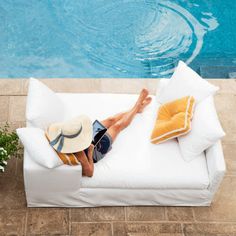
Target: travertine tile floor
[(16, 219)]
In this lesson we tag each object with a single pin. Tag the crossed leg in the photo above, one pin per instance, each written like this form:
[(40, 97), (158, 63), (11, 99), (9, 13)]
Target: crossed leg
[(120, 121), (112, 120)]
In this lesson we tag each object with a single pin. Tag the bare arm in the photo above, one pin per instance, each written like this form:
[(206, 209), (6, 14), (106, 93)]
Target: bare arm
[(87, 162)]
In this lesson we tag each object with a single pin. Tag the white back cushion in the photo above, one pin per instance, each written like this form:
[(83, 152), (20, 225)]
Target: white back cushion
[(185, 82), (206, 130), (43, 105), (38, 147)]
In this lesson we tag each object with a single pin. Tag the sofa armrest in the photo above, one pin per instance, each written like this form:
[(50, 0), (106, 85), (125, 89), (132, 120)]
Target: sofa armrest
[(40, 179), (216, 166)]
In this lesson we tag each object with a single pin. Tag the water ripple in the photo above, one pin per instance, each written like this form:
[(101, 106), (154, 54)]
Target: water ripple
[(130, 36), (94, 38)]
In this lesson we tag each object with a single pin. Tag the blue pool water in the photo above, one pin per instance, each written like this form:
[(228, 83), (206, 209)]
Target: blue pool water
[(116, 38)]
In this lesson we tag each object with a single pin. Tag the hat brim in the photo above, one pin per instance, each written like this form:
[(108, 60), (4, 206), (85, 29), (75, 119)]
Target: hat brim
[(76, 144)]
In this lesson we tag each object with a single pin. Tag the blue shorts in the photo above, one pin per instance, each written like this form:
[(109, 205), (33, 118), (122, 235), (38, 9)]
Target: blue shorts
[(102, 147)]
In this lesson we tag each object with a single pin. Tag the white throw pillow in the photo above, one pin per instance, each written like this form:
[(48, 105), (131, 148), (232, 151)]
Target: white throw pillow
[(43, 105), (38, 147), (206, 130), (186, 82)]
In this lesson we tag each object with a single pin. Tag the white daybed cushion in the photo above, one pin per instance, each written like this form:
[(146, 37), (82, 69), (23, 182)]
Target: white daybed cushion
[(38, 147), (134, 162), (43, 105), (185, 82), (206, 130)]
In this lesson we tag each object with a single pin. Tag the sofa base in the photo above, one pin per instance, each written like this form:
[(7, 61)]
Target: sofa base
[(50, 188), (98, 197), (174, 182)]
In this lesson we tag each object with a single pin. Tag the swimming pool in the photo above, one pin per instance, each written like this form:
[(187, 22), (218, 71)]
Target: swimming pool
[(116, 38)]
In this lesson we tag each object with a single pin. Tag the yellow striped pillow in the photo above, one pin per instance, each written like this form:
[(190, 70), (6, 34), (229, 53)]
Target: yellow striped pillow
[(67, 158), (173, 119)]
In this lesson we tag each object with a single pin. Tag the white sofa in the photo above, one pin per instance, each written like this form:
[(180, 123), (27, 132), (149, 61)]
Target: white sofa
[(134, 172)]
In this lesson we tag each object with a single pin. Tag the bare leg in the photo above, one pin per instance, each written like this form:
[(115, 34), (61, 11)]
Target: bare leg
[(127, 117), (112, 120), (143, 99)]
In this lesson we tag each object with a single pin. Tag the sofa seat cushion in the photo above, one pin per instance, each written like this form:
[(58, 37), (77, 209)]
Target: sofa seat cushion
[(134, 162)]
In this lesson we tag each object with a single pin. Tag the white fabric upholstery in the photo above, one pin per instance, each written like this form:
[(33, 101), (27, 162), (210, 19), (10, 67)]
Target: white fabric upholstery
[(152, 174), (37, 145), (186, 82), (39, 179), (43, 105), (156, 166), (216, 166), (206, 130), (63, 188)]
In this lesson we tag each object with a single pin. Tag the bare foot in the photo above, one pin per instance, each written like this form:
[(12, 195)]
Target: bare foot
[(143, 94), (144, 104)]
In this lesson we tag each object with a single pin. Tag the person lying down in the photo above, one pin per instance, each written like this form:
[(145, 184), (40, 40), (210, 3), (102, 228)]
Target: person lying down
[(78, 141)]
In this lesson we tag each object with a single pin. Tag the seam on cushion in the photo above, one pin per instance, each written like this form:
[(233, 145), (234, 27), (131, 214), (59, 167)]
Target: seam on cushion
[(185, 124), (193, 107), (172, 137), (176, 130), (162, 189)]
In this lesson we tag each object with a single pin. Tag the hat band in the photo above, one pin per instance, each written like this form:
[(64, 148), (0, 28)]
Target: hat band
[(61, 137)]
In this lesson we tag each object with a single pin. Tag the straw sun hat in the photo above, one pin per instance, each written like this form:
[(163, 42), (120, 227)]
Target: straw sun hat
[(71, 136)]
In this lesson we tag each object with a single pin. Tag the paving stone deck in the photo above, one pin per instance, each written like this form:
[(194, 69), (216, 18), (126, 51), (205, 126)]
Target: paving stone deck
[(17, 219)]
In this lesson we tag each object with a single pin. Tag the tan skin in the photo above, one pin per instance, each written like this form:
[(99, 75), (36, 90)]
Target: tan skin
[(114, 124)]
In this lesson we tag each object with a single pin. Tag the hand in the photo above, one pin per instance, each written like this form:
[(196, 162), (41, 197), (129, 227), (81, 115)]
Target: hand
[(86, 161), (90, 152)]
